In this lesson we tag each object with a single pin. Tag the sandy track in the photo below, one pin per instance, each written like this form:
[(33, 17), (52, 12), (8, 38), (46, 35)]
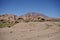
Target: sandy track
[(32, 31)]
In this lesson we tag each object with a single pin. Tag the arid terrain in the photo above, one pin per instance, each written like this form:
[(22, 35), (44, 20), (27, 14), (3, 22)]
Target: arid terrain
[(32, 31), (29, 27)]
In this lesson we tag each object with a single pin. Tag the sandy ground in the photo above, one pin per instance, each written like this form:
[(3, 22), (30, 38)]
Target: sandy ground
[(32, 31)]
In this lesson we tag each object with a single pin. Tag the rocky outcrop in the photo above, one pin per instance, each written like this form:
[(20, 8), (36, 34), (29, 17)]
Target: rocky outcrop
[(8, 18), (33, 17)]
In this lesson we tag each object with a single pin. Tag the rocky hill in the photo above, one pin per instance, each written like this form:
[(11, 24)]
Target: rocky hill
[(8, 17), (29, 17)]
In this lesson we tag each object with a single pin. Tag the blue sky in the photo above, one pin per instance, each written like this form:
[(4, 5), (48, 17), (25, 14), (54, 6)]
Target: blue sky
[(50, 8)]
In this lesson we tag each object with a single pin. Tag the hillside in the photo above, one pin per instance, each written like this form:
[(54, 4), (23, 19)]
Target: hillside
[(8, 20)]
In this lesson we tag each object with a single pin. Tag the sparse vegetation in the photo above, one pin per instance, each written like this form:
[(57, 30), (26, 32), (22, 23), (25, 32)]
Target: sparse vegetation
[(6, 25)]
